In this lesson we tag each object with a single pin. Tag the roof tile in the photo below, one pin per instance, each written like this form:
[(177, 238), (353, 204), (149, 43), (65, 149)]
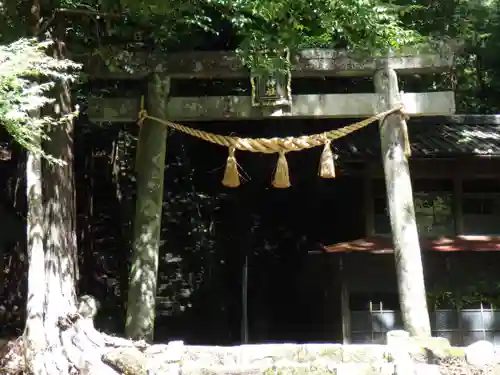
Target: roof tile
[(433, 137)]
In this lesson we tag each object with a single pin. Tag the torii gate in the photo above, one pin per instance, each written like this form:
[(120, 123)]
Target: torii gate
[(274, 97)]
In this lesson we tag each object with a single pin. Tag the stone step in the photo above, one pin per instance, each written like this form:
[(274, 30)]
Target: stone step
[(305, 369)]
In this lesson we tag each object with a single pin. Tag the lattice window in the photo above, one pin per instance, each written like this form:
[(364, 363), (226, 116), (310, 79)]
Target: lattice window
[(373, 315), (460, 327)]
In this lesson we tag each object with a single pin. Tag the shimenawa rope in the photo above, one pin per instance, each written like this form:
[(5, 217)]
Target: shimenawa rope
[(276, 145)]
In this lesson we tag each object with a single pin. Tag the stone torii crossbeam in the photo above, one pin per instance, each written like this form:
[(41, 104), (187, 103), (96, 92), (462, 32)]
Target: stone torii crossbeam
[(119, 64)]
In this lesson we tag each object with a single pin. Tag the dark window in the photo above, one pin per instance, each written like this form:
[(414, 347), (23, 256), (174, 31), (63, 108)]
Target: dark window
[(478, 205), (380, 206), (425, 185), (481, 206), (381, 220), (434, 214), (483, 185), (378, 187), (433, 202)]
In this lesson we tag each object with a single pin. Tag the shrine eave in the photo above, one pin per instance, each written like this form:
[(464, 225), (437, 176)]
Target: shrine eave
[(383, 244), (432, 137)]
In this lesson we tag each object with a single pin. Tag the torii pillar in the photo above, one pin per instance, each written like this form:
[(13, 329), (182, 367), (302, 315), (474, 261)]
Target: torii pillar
[(408, 258)]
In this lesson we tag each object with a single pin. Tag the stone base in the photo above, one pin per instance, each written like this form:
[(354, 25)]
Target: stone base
[(423, 357)]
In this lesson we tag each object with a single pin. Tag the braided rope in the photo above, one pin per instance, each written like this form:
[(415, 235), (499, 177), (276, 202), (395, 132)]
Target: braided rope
[(271, 145)]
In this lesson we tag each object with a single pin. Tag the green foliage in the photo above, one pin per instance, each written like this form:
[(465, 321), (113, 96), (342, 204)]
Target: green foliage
[(474, 27), (266, 27), (27, 75)]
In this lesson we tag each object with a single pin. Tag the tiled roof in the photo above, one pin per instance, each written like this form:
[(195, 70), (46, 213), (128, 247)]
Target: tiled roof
[(382, 245), (433, 137)]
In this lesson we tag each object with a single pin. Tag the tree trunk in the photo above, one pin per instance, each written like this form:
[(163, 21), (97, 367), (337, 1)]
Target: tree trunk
[(409, 268), (60, 338), (34, 333), (151, 149), (49, 347), (60, 205)]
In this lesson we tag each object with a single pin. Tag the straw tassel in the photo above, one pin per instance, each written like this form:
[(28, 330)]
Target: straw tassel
[(327, 163), (231, 176), (281, 176)]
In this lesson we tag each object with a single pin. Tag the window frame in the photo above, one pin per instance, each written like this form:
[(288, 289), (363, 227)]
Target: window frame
[(376, 194), (494, 217), (457, 199)]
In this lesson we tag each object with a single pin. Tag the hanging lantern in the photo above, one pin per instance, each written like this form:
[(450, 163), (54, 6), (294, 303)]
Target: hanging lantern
[(272, 89)]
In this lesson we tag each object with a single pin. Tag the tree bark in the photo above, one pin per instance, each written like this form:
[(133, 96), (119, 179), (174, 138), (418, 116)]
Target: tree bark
[(34, 334), (407, 253), (52, 258), (60, 338), (60, 205), (151, 150)]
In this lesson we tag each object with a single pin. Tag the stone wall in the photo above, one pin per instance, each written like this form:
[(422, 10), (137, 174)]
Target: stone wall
[(403, 357)]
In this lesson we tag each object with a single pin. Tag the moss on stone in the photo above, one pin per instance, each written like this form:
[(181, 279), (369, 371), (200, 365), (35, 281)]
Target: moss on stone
[(456, 352), (335, 353), (302, 356), (302, 370)]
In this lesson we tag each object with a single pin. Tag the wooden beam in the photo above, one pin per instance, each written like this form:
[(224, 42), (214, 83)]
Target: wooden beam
[(111, 61), (405, 237), (344, 304), (368, 201), (211, 108), (458, 200), (432, 168)]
